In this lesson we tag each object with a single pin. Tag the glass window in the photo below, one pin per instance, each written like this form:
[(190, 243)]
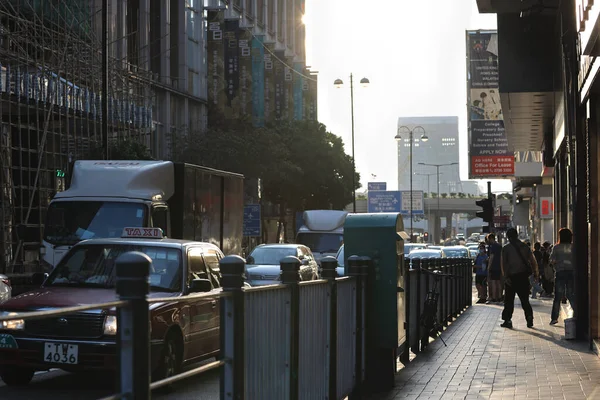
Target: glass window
[(94, 266), (271, 255), (212, 262), (160, 218), (69, 222), (321, 242)]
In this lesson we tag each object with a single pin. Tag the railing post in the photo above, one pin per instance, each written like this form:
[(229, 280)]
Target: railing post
[(405, 356), (355, 269), (417, 307), (290, 275), (232, 328), (328, 265), (133, 286), (424, 336)]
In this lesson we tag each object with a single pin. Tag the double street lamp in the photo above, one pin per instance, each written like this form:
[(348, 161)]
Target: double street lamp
[(404, 130), (338, 83), (437, 166)]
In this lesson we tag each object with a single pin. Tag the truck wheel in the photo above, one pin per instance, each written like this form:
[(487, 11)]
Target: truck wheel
[(170, 358), (17, 376)]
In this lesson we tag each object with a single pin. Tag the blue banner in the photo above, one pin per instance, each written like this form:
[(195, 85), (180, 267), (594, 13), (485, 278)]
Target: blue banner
[(258, 81), (298, 83)]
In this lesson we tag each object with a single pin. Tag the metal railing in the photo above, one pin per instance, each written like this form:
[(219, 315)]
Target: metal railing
[(294, 340)]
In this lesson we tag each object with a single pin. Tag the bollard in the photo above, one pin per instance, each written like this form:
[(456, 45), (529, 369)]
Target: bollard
[(425, 264), (328, 265), (133, 342), (454, 290), (290, 275), (355, 269), (232, 327)]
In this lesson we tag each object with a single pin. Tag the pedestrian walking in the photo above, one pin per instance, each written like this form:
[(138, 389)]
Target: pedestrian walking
[(563, 262), (481, 272), (494, 269), (536, 286), (518, 263)]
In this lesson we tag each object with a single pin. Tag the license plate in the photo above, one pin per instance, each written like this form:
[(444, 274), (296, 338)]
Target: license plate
[(61, 353), (7, 341)]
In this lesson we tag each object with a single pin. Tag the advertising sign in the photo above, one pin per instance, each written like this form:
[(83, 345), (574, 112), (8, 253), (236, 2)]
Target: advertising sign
[(312, 102), (279, 83), (215, 59), (298, 78), (232, 76), (394, 201), (258, 81), (546, 207), (288, 89), (376, 186), (269, 82), (488, 146), (245, 71)]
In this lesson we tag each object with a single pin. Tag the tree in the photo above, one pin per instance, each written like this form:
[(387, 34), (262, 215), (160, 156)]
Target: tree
[(462, 195), (301, 165), (444, 195), (425, 195)]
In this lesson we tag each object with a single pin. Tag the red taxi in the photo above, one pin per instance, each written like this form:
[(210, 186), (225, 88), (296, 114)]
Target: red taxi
[(182, 332)]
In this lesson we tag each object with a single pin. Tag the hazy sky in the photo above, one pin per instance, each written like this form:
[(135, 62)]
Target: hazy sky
[(412, 51)]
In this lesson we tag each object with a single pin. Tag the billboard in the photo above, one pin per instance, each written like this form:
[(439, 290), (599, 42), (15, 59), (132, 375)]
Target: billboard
[(215, 60), (489, 155), (245, 71), (232, 77)]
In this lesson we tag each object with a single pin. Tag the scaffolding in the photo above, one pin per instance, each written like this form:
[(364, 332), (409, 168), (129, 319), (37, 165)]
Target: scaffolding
[(50, 107)]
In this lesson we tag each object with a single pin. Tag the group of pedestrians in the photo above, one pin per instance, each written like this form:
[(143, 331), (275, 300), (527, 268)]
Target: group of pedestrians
[(517, 270)]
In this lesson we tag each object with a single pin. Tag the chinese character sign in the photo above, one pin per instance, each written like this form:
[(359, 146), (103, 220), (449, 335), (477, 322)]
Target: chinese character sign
[(245, 71), (215, 59), (232, 77), (258, 81)]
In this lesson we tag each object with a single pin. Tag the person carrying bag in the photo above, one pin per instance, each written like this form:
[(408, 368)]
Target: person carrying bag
[(518, 264)]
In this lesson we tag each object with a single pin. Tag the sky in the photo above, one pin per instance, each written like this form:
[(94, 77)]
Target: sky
[(413, 53)]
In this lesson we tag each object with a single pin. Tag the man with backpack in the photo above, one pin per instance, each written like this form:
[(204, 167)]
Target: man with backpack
[(517, 264)]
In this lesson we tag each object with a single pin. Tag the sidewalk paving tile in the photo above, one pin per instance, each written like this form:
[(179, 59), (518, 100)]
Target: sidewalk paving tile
[(486, 361)]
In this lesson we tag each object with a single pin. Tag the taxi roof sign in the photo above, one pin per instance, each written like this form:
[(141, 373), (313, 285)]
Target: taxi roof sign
[(145, 233)]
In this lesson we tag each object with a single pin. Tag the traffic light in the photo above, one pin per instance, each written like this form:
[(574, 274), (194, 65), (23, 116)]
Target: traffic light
[(487, 213), (426, 237)]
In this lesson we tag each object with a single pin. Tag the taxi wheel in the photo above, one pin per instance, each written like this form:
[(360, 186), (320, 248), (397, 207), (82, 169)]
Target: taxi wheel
[(170, 360), (17, 376)]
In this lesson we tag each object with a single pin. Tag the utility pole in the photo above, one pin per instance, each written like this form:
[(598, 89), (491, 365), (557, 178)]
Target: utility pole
[(105, 78)]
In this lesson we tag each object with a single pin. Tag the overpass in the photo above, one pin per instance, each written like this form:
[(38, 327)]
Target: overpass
[(446, 208)]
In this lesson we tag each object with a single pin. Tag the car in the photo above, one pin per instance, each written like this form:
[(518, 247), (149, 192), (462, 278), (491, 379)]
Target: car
[(424, 253), (182, 332), (5, 288), (408, 247), (473, 253), (341, 269), (472, 246), (457, 251), (263, 263), (434, 247)]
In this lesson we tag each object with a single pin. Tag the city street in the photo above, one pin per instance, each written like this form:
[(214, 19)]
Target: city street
[(59, 385)]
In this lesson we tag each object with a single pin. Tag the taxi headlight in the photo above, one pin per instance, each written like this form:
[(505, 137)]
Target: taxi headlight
[(13, 324), (110, 325)]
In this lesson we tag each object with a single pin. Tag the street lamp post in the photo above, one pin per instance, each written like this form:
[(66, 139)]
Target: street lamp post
[(406, 129), (339, 83), (428, 191), (437, 166)]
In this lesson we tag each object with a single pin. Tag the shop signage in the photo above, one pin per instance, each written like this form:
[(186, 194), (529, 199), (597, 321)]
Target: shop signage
[(546, 207)]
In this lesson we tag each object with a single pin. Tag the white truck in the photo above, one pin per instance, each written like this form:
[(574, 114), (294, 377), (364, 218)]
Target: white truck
[(322, 231), (186, 201)]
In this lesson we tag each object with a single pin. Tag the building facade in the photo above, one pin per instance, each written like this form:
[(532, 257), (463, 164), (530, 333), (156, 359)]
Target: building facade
[(442, 147), (549, 89)]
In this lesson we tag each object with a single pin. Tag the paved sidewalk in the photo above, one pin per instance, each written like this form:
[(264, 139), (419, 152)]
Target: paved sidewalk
[(485, 361)]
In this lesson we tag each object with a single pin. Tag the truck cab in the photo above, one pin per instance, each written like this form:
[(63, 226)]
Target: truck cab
[(105, 196), (322, 231)]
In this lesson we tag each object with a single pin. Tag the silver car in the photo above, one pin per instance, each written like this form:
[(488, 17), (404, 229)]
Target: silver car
[(263, 264), (5, 288)]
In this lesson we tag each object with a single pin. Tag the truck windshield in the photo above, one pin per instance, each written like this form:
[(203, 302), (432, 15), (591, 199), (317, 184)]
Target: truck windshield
[(69, 222), (320, 242), (94, 266)]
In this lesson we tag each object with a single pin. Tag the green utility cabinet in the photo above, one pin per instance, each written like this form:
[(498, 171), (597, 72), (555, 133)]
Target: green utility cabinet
[(381, 237)]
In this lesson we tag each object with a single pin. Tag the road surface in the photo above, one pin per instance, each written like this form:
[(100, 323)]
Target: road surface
[(59, 385)]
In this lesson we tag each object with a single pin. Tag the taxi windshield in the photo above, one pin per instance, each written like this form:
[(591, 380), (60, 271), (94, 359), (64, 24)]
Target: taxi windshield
[(93, 265)]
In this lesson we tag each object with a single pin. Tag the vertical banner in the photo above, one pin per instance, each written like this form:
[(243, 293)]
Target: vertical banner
[(312, 104), (279, 84), (245, 68), (216, 70), (258, 81), (298, 83), (232, 77), (269, 82), (489, 154), (306, 95), (288, 90)]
